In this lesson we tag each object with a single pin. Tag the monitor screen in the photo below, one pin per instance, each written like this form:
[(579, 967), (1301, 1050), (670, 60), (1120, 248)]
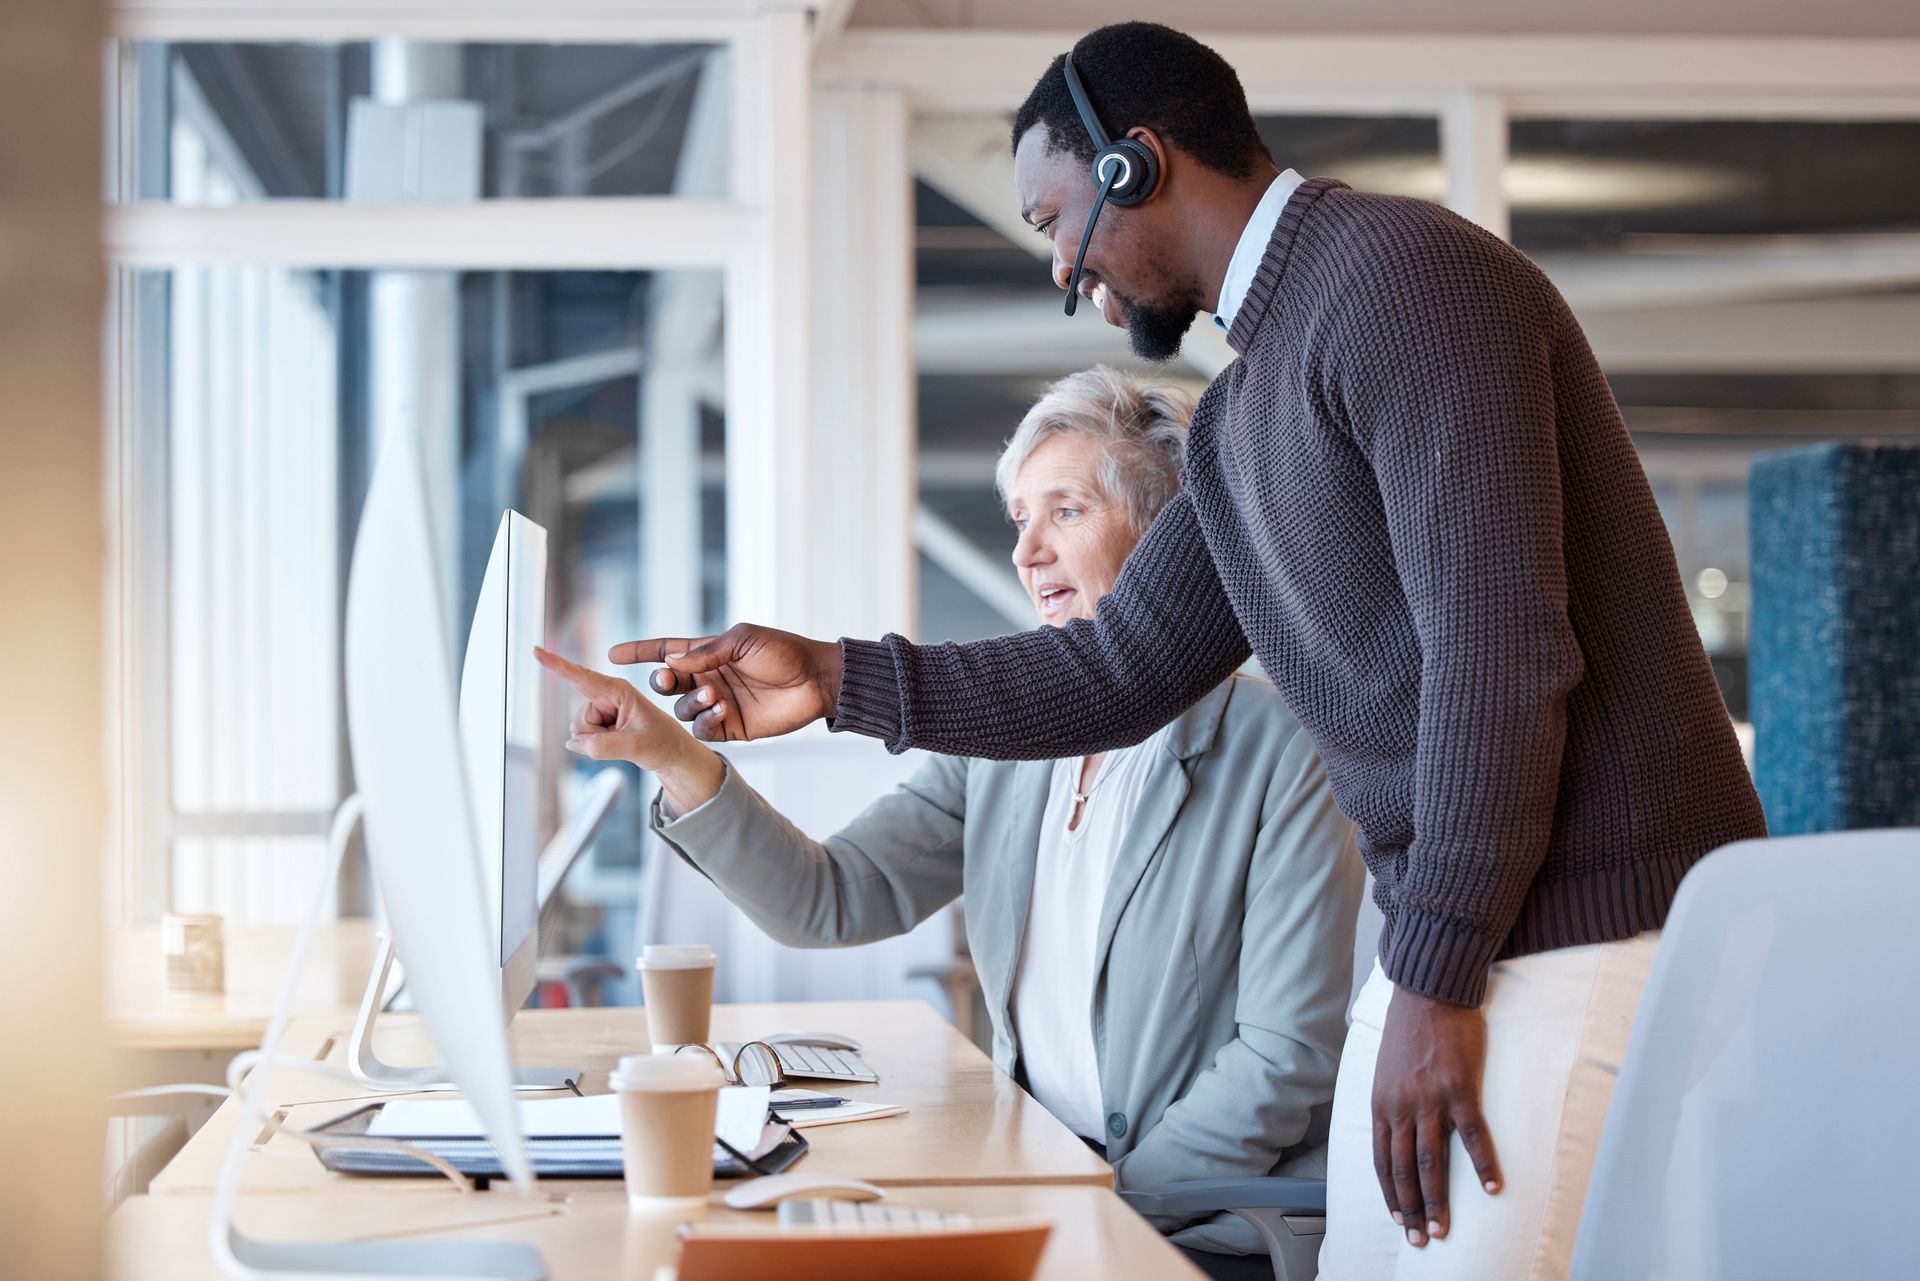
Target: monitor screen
[(520, 765), (500, 729)]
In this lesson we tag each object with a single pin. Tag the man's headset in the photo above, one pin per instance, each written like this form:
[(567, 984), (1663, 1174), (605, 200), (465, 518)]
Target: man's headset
[(1126, 171)]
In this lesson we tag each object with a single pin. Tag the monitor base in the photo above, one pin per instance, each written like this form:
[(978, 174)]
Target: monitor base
[(245, 1257), (375, 1073)]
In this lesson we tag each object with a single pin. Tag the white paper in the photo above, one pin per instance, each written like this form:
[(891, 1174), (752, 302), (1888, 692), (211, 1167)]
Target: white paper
[(739, 1117), (597, 1116)]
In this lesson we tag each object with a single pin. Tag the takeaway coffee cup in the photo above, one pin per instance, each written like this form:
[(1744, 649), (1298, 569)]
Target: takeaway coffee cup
[(677, 982), (666, 1128)]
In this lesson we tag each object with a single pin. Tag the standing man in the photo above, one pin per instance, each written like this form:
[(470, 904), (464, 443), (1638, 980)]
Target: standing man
[(1414, 498)]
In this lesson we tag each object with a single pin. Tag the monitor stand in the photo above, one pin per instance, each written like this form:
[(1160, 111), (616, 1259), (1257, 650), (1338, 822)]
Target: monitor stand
[(372, 1071), (245, 1258)]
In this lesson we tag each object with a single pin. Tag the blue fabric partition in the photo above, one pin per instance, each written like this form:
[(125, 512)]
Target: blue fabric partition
[(1835, 640)]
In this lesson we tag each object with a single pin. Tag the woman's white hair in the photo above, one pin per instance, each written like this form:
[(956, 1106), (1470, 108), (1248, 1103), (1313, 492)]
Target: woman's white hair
[(1140, 424)]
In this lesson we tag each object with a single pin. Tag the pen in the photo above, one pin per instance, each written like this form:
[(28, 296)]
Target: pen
[(802, 1105)]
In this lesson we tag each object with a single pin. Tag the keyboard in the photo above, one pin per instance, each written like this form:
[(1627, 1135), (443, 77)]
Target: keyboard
[(863, 1216), (819, 1063)]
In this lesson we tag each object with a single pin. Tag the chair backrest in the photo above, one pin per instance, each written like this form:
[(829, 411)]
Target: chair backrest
[(575, 837), (1767, 1104)]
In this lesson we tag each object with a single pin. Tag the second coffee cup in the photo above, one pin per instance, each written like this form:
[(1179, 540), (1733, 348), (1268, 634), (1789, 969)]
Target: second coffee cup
[(676, 981), (666, 1128)]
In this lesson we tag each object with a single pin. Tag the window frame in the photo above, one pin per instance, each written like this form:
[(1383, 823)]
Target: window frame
[(755, 238)]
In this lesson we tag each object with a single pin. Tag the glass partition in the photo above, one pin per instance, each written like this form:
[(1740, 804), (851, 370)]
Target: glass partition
[(592, 401), (409, 120)]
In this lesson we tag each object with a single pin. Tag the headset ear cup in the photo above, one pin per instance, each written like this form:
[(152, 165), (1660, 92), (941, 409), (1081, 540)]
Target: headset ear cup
[(1143, 172)]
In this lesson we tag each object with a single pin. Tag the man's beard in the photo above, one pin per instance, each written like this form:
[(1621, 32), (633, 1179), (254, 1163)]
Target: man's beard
[(1154, 331)]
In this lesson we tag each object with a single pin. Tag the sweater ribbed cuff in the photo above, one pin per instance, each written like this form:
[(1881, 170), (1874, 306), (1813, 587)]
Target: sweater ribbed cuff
[(1434, 957), (869, 693)]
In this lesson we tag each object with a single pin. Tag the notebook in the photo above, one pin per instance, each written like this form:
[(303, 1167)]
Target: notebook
[(850, 1110)]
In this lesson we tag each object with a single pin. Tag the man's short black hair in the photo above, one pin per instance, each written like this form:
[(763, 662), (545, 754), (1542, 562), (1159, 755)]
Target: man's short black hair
[(1141, 74)]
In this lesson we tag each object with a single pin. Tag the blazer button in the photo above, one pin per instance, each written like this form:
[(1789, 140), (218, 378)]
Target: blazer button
[(1116, 1124)]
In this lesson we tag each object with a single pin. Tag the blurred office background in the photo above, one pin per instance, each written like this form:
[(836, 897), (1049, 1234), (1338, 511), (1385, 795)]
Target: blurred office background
[(735, 300)]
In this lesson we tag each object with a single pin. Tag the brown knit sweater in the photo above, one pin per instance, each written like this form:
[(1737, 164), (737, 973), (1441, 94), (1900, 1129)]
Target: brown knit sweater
[(1414, 496)]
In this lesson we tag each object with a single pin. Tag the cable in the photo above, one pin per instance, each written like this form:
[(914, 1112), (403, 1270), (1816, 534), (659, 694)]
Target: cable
[(163, 1091), (245, 1062)]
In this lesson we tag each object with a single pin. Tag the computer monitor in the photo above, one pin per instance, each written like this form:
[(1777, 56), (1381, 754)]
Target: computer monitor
[(500, 734), (410, 771), (419, 824), (500, 746)]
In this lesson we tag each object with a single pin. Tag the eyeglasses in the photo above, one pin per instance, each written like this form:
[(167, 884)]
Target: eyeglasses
[(755, 1063)]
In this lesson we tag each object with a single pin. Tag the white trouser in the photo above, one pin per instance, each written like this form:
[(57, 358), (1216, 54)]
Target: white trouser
[(1557, 1026)]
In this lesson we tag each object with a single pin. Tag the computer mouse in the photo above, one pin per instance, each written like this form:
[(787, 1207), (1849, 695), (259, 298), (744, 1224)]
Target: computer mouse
[(824, 1040), (766, 1193)]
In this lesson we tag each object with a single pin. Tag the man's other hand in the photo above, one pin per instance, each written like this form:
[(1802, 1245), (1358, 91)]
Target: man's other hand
[(747, 682), (1426, 1087)]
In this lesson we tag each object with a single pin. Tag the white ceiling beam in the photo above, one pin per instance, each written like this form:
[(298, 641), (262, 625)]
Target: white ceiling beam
[(979, 331), (968, 331), (993, 71), (1709, 269), (1839, 106), (962, 331), (606, 233), (1877, 335), (967, 160), (571, 21), (991, 579), (829, 22)]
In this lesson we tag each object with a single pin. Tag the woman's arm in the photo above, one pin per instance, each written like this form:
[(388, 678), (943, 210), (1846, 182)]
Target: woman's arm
[(891, 868), (896, 864), (1269, 1087)]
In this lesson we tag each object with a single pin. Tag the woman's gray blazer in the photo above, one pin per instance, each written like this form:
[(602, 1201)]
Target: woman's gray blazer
[(1225, 940)]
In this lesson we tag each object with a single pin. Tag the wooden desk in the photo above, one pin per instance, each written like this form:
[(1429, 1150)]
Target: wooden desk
[(142, 1015), (966, 1123), (598, 1238), (169, 1038)]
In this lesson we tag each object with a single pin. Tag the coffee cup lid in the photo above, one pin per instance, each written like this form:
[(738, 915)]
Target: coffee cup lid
[(675, 956), (659, 1072)]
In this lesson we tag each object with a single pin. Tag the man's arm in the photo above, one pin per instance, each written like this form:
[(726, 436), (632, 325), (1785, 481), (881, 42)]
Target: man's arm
[(1271, 1087), (1164, 636), (1161, 638)]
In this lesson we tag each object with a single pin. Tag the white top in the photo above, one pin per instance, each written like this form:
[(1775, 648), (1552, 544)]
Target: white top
[(1052, 1003), (1252, 246), (676, 956)]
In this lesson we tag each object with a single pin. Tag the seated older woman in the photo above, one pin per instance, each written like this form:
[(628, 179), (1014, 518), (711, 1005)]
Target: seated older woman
[(1163, 933)]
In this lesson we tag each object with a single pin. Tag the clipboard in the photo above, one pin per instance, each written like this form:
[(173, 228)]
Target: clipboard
[(585, 1157)]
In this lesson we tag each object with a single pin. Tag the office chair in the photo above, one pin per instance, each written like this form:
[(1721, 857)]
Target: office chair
[(581, 980), (1290, 1214), (1766, 1109)]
